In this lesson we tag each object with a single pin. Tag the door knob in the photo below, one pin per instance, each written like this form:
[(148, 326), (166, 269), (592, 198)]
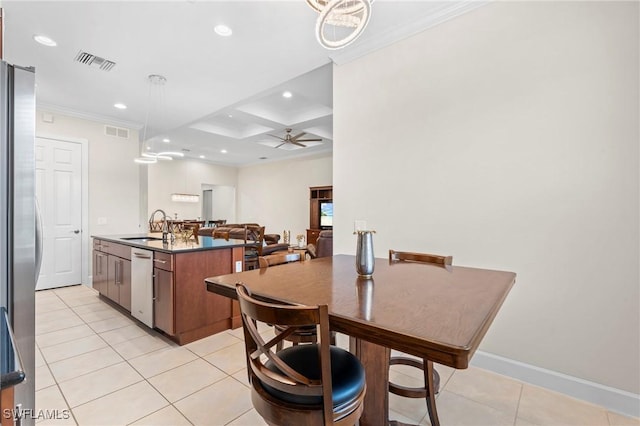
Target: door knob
[(77, 231)]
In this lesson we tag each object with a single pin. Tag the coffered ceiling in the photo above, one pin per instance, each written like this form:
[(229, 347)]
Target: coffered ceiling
[(224, 95)]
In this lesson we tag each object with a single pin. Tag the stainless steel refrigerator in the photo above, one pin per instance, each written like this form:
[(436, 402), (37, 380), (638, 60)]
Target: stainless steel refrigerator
[(19, 240)]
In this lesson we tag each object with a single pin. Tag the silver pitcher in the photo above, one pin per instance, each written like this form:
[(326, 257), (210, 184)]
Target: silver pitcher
[(365, 260)]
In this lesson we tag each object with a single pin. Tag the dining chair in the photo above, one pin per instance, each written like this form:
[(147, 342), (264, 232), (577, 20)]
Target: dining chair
[(192, 228), (253, 234), (431, 377), (277, 259), (304, 334), (315, 384)]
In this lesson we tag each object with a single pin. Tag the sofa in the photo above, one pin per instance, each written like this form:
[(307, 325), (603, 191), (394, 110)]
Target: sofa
[(323, 246), (265, 243)]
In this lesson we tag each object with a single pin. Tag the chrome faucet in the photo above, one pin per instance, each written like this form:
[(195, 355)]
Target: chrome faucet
[(165, 226)]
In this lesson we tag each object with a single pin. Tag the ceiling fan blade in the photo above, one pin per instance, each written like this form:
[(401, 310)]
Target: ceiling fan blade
[(309, 140), (298, 135), (280, 145), (299, 144), (275, 136)]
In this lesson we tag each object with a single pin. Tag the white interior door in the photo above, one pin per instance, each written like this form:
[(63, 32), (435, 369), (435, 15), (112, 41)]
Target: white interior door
[(58, 188)]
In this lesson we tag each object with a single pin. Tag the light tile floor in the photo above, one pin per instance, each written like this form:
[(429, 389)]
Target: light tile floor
[(108, 369)]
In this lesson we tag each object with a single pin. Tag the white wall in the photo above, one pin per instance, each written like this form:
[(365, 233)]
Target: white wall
[(223, 205), (508, 138), (113, 176), (276, 195), (184, 176)]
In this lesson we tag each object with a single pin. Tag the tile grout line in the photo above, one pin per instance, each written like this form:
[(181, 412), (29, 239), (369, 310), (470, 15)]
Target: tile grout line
[(109, 393), (57, 385), (518, 406), (147, 379)]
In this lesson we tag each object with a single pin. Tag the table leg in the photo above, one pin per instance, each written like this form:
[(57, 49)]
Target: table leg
[(375, 359), (429, 380)]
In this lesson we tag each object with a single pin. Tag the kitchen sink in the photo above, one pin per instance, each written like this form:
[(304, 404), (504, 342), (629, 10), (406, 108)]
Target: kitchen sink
[(141, 239)]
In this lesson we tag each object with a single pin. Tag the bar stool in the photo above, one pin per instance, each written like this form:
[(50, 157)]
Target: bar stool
[(431, 377), (309, 385)]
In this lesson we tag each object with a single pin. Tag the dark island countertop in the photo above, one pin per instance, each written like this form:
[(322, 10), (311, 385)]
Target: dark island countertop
[(153, 241)]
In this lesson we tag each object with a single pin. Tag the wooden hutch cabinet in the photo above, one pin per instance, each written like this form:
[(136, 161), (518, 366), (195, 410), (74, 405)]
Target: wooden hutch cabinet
[(316, 195)]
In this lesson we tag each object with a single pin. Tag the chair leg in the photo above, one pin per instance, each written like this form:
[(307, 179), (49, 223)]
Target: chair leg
[(431, 393)]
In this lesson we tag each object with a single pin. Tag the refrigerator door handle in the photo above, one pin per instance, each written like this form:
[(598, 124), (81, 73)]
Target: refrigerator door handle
[(38, 240)]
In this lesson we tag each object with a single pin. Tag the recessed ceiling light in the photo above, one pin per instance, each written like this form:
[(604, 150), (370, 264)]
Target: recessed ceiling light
[(44, 40), (166, 140), (120, 106), (287, 94), (230, 116), (224, 151), (202, 156), (148, 148), (222, 30)]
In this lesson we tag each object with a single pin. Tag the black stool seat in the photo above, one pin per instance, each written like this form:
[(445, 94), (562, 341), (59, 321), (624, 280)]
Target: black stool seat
[(347, 374)]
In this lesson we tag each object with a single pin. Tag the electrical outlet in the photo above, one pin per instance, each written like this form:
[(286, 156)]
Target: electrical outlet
[(239, 266), (359, 225)]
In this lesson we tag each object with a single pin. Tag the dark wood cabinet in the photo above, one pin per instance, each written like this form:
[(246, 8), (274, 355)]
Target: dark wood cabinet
[(100, 268), (125, 284), (312, 235), (316, 195), (112, 271), (163, 300), (113, 275)]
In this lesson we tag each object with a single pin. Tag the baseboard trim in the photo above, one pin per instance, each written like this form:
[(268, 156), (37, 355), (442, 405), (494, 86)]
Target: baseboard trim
[(615, 400)]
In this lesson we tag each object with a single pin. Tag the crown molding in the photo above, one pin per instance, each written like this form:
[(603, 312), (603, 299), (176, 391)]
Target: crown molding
[(384, 39), (88, 116)]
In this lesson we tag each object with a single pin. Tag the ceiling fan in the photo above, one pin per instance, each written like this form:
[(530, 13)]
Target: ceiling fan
[(294, 140)]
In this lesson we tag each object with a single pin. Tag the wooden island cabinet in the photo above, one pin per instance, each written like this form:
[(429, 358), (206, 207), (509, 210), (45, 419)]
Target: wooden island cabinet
[(182, 308)]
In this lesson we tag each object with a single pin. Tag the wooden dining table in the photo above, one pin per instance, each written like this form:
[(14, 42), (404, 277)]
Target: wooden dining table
[(430, 311)]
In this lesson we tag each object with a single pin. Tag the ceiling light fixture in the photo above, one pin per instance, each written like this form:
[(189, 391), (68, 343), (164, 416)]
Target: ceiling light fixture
[(202, 156), (171, 153), (185, 198), (222, 30), (165, 140), (143, 160), (287, 94), (120, 106), (340, 22), (224, 151), (44, 40), (156, 86)]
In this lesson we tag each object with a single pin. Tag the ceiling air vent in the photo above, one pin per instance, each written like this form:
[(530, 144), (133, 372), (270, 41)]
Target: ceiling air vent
[(94, 61), (117, 132)]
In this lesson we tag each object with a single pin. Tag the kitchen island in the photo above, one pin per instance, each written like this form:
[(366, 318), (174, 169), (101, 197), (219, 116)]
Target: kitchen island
[(162, 284)]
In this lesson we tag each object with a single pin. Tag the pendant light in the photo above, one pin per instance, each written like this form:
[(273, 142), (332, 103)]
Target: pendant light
[(155, 99), (340, 22)]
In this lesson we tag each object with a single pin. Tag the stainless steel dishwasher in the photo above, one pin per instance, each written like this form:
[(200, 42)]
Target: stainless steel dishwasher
[(142, 285)]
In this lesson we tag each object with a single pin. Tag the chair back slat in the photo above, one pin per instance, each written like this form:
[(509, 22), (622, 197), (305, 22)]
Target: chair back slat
[(278, 259), (396, 256)]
